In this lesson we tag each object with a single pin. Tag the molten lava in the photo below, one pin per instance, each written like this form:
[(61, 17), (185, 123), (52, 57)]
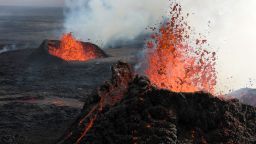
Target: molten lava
[(72, 50), (176, 65)]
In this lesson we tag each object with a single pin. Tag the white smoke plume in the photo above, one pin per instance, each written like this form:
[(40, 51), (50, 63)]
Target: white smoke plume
[(106, 21), (230, 28)]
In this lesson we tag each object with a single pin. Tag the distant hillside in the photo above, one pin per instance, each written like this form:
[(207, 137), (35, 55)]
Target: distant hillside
[(245, 95), (29, 26)]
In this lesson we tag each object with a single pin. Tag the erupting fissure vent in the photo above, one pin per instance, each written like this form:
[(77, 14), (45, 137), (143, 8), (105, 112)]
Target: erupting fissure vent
[(70, 49), (174, 62)]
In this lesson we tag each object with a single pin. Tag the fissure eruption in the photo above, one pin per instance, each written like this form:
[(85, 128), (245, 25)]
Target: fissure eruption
[(174, 62), (71, 49)]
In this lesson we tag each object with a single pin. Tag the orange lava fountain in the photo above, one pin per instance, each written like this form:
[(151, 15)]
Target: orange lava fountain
[(71, 50), (175, 65)]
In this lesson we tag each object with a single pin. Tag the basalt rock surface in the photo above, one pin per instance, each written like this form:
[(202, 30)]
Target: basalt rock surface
[(145, 114), (26, 115), (42, 95)]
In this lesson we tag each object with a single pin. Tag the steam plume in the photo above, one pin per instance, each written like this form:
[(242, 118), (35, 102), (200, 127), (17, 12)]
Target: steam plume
[(106, 21), (229, 26)]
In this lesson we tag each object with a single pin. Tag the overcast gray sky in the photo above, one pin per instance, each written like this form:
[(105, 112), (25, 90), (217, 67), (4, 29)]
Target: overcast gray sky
[(32, 2)]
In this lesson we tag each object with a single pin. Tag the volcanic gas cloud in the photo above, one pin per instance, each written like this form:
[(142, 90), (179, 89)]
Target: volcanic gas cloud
[(71, 49), (174, 62)]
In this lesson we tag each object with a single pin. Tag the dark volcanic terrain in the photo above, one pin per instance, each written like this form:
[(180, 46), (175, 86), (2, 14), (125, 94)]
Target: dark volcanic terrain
[(41, 95), (28, 26), (129, 109)]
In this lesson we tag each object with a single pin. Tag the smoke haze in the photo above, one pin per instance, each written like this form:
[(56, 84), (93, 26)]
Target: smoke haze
[(104, 21), (40, 3), (232, 33)]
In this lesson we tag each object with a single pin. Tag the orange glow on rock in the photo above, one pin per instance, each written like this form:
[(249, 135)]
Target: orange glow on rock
[(72, 50), (175, 65), (86, 129)]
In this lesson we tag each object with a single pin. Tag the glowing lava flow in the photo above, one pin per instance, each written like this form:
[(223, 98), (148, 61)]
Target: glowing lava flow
[(110, 94), (175, 65), (71, 50)]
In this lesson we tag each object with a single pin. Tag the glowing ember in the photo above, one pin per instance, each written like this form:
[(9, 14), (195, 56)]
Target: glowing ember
[(72, 50), (175, 65)]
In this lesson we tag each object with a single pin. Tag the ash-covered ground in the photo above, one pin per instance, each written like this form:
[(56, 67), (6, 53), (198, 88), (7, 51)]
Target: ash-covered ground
[(41, 95)]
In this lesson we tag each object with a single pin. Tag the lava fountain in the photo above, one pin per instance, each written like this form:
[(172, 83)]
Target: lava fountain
[(174, 63), (71, 49)]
